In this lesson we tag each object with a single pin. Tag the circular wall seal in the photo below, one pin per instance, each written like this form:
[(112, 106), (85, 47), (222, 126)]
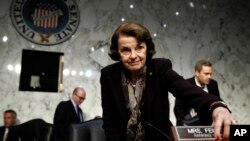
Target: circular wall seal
[(45, 22)]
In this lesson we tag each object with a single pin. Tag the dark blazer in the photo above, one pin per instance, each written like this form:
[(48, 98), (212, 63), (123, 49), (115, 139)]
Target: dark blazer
[(65, 115), (2, 130), (181, 109), (160, 80)]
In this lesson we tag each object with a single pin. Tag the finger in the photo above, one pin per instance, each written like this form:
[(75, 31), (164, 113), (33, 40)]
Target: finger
[(217, 124), (226, 131)]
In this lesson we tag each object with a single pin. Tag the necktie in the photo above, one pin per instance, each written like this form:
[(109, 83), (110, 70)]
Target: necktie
[(79, 113)]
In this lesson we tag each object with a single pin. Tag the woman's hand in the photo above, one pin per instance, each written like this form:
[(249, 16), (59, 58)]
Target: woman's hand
[(222, 118)]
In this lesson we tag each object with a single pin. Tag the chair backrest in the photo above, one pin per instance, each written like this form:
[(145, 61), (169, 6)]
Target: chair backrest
[(33, 130), (88, 131)]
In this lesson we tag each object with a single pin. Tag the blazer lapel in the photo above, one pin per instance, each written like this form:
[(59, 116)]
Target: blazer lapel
[(118, 94), (73, 111), (148, 96)]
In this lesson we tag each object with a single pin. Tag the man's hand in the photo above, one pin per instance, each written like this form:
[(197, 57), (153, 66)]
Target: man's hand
[(222, 119)]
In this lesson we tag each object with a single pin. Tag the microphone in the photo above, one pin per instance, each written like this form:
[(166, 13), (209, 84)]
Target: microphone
[(156, 129)]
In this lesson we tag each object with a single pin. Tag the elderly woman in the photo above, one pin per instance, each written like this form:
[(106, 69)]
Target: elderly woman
[(135, 90)]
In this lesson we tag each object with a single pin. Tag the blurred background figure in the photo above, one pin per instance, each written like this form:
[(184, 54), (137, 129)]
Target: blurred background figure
[(186, 115), (68, 112), (10, 119)]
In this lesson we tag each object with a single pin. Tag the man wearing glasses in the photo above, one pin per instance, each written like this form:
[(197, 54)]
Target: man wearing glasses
[(68, 112)]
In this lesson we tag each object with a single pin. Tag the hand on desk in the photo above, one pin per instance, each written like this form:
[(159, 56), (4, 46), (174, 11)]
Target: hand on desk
[(222, 118)]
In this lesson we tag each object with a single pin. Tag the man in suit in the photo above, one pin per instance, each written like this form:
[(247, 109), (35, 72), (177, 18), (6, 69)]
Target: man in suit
[(186, 115), (67, 113), (10, 119)]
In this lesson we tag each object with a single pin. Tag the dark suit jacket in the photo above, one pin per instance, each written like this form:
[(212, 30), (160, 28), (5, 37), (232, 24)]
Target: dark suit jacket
[(32, 130), (65, 115), (160, 80), (2, 130), (181, 109)]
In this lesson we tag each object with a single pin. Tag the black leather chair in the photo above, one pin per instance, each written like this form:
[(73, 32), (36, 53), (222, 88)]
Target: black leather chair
[(33, 130), (88, 131)]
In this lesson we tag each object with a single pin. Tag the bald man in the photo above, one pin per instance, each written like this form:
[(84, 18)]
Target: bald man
[(68, 112)]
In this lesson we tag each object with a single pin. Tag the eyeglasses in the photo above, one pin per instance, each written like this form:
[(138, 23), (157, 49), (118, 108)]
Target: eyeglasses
[(81, 98)]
